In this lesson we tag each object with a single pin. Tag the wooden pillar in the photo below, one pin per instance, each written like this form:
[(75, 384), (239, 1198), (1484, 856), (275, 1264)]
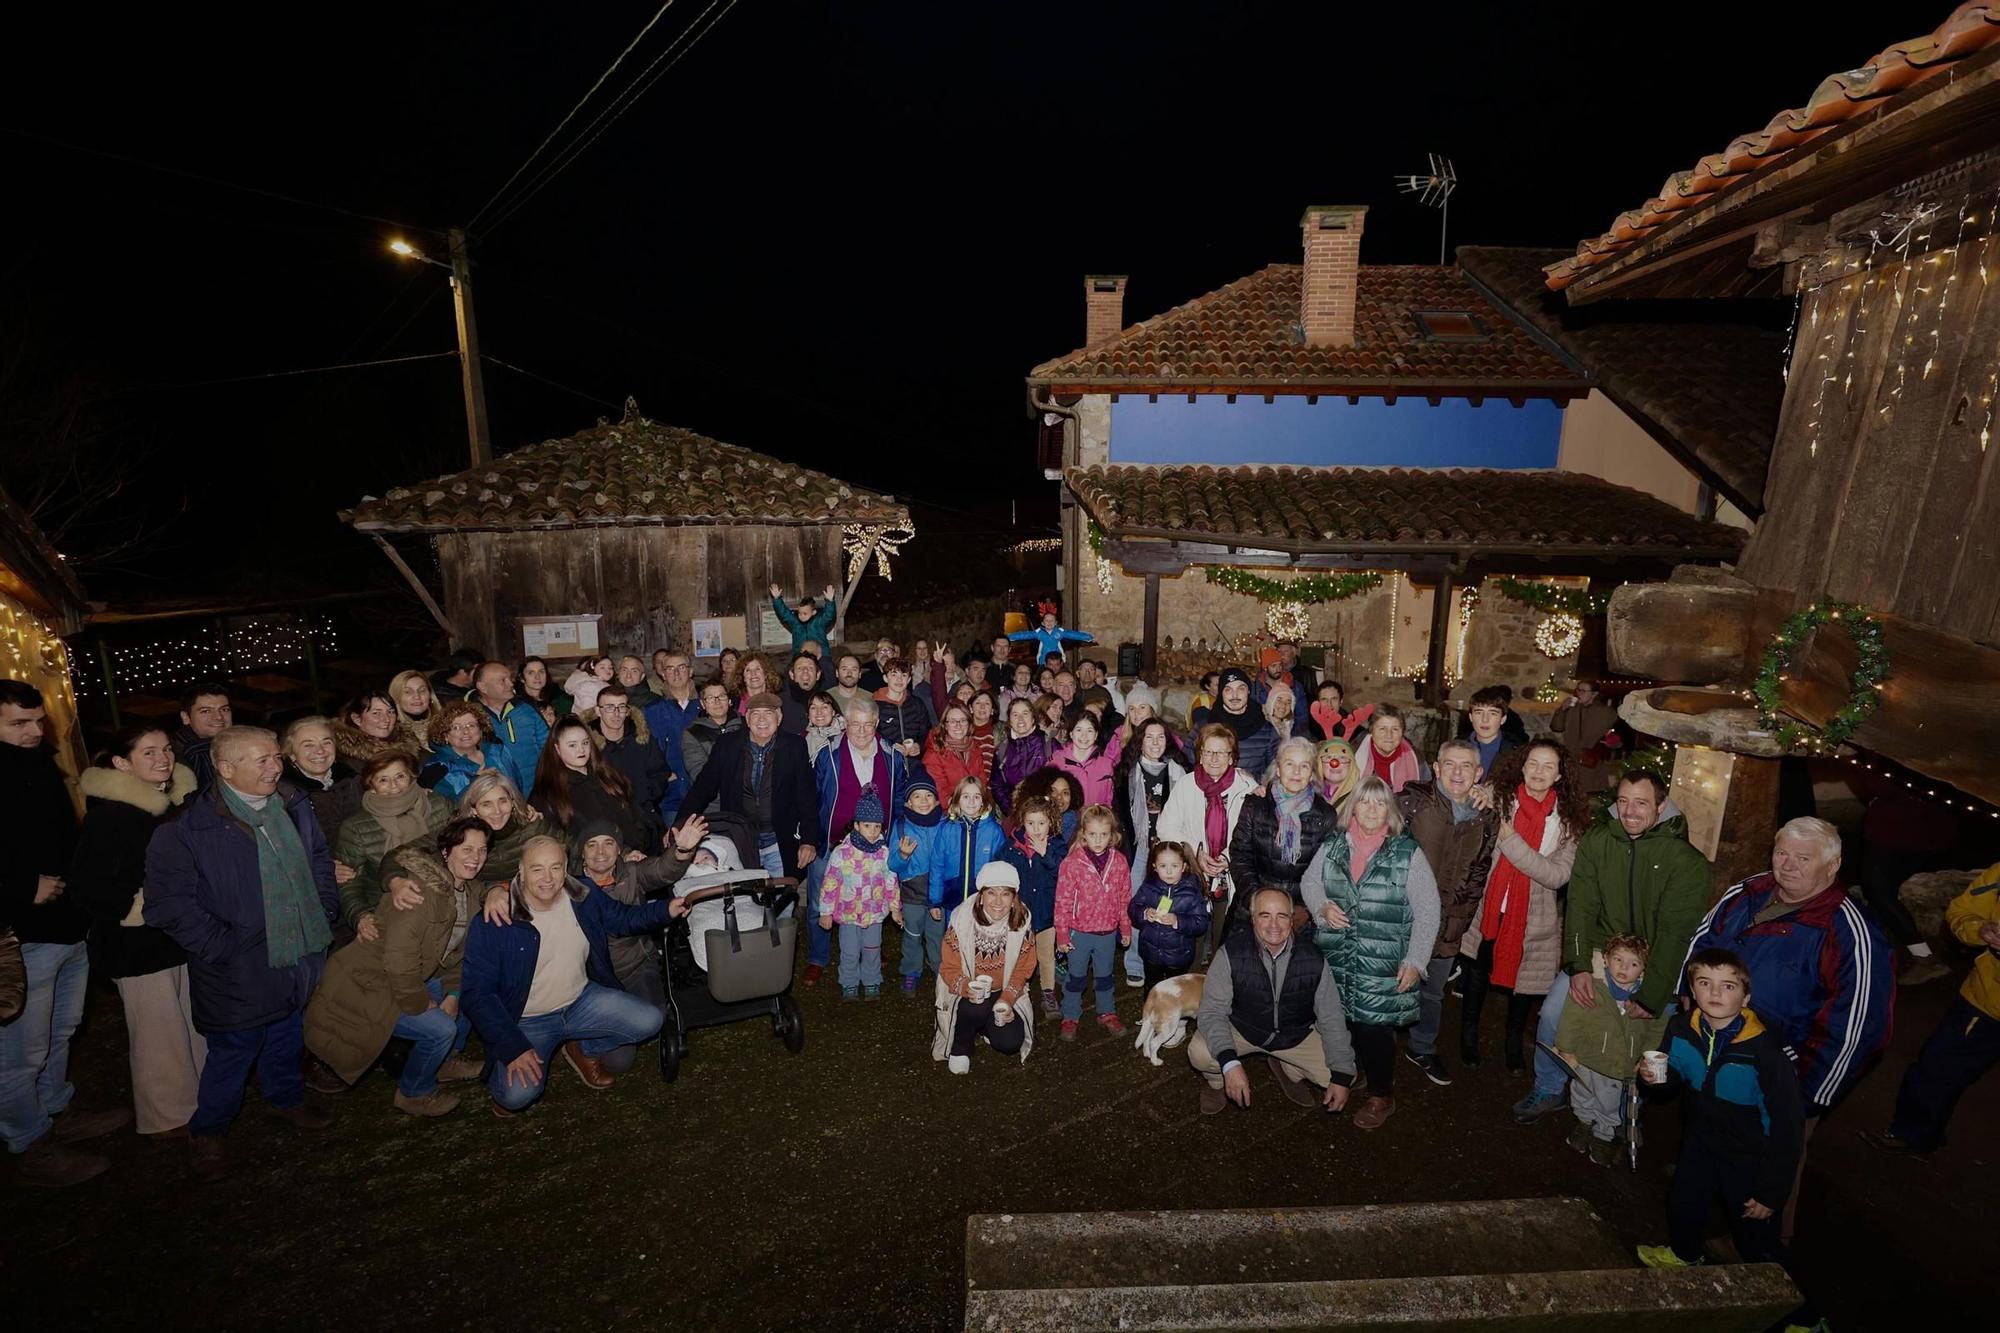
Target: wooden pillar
[(1149, 644), (1434, 692)]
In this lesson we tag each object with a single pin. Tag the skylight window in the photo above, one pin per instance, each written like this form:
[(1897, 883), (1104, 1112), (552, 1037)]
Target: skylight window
[(1450, 326)]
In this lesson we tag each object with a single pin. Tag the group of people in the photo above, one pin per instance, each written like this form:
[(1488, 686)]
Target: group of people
[(477, 849)]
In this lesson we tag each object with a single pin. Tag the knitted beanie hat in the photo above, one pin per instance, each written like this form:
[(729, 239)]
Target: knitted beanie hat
[(868, 810)]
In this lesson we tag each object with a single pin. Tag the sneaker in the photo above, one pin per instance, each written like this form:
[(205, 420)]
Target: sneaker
[(1432, 1066), (460, 1069), (1374, 1110), (49, 1166), (75, 1126), (1213, 1100), (1536, 1105), (1603, 1152), (1579, 1137), (1068, 1032), (909, 985), (959, 1064), (208, 1157), (1051, 1007), (812, 974), (850, 992), (431, 1104), (871, 992), (1135, 982), (1883, 1141), (1111, 1024), (1663, 1256)]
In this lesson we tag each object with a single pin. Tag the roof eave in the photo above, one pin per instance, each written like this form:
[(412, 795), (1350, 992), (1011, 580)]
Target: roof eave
[(1465, 549), (1363, 387), (901, 517)]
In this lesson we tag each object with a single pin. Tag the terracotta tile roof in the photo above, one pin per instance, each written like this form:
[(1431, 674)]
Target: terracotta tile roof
[(1299, 509), (636, 472), (1840, 97), (1246, 336), (1705, 378)]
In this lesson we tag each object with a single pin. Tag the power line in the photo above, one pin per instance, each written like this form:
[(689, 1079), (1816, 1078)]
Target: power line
[(554, 384), (616, 109), (210, 180), (286, 374), (612, 68)]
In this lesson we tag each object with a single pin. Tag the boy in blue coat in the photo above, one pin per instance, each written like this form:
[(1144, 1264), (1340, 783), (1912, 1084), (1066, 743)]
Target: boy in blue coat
[(1051, 637), (809, 623), (916, 854)]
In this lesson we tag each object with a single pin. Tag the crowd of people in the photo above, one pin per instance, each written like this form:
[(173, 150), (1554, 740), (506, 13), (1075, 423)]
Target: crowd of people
[(483, 850)]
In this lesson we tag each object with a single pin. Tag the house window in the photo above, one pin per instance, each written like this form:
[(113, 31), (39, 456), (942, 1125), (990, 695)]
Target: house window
[(1450, 326)]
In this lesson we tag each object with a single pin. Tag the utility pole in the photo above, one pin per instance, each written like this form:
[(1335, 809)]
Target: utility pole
[(468, 350)]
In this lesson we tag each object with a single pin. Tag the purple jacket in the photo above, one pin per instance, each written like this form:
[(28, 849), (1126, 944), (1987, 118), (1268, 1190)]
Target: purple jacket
[(1021, 758)]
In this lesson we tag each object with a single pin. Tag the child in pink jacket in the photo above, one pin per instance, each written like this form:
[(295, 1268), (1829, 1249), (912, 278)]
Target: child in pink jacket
[(1092, 890), (858, 892)]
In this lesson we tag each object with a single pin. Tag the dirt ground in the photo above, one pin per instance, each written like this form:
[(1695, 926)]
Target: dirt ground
[(829, 1190)]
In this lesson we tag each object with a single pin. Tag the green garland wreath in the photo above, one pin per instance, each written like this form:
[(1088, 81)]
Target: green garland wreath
[(1869, 673), (1305, 590), (1576, 601)]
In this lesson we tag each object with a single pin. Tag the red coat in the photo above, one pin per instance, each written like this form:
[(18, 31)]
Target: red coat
[(948, 769)]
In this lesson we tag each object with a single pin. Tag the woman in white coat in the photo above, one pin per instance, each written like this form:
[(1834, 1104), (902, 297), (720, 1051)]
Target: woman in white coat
[(989, 954), (1202, 814)]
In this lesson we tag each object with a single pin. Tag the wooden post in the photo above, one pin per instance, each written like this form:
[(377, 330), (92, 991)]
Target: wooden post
[(860, 571), (423, 593), (110, 680), (1149, 647), (470, 369), (312, 657), (1434, 692)]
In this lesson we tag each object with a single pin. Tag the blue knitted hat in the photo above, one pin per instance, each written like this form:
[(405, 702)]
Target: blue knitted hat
[(868, 810)]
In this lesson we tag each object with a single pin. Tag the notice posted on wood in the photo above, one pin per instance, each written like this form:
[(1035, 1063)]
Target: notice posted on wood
[(559, 636)]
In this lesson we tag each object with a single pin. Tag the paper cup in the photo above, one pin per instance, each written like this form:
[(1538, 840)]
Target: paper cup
[(1656, 1064)]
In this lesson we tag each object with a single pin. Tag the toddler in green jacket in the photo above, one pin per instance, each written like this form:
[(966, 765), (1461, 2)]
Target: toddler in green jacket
[(1602, 1041)]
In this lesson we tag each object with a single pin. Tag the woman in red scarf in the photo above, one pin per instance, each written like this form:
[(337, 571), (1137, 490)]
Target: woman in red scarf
[(1515, 941), (1386, 754), (1202, 814), (953, 753)]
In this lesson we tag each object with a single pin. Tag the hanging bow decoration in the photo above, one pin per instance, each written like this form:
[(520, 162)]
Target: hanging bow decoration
[(855, 541)]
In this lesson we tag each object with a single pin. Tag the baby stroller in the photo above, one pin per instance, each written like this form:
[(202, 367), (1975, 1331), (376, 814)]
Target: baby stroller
[(730, 960)]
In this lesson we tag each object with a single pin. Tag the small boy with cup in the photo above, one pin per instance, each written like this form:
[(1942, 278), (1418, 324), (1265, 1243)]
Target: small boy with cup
[(1745, 1124), (1601, 1042)]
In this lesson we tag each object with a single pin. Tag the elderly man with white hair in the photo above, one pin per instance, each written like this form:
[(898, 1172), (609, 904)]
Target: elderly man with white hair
[(242, 879), (846, 768), (1821, 973)]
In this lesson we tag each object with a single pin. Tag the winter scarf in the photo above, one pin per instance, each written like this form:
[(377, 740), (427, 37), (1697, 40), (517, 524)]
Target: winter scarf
[(1215, 826), (401, 816), (1398, 770), (1290, 807), (294, 919), (864, 844), (1361, 847), (1505, 921)]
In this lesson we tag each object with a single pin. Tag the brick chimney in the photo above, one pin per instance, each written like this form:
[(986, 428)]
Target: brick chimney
[(1103, 307), (1333, 254)]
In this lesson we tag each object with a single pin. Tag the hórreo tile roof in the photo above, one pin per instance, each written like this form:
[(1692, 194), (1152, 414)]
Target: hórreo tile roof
[(1246, 336), (1840, 97), (1393, 510), (637, 472), (1703, 377)]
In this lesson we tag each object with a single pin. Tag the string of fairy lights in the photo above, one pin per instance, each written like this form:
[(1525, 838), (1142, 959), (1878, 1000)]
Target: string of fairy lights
[(192, 655)]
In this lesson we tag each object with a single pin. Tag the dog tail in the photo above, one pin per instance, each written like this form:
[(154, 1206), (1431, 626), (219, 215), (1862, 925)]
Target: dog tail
[(1145, 1032)]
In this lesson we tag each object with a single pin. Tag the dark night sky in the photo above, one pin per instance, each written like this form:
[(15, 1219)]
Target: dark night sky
[(834, 233)]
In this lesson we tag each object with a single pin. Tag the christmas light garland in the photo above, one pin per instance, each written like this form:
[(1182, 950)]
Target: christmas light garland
[(1559, 635), (887, 541), (1869, 674), (1548, 597), (1308, 589)]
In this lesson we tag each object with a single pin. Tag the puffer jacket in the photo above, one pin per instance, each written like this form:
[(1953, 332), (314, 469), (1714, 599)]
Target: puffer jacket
[(962, 852), (1654, 886), (920, 875), (1092, 774), (1169, 946), (362, 845), (1460, 853), (949, 767), (1014, 758), (909, 720), (1364, 957), (1254, 859), (633, 883), (447, 773), (1038, 875), (108, 874), (1091, 901)]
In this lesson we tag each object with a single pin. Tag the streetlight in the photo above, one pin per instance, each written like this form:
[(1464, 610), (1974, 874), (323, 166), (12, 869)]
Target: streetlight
[(460, 269)]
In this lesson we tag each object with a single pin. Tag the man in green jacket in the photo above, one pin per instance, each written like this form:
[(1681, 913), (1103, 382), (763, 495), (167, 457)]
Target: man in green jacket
[(1636, 874)]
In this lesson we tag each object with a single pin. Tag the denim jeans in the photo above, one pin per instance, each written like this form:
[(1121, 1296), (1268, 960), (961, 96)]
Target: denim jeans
[(1551, 1074), (772, 857), (921, 936), (1135, 966), (1088, 953), (34, 1048), (436, 1034), (600, 1020), (819, 941), (275, 1049), (1430, 1006), (860, 954)]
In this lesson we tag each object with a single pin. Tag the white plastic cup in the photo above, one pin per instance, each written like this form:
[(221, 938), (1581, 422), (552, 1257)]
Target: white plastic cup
[(1656, 1065)]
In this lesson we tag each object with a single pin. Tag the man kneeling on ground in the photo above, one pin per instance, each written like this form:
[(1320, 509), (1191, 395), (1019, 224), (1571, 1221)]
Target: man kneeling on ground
[(1268, 993)]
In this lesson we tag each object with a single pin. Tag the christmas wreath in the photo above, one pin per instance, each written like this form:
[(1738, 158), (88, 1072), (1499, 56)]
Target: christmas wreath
[(1869, 672)]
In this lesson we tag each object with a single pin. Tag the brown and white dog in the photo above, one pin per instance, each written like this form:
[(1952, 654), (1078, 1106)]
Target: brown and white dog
[(1169, 1009)]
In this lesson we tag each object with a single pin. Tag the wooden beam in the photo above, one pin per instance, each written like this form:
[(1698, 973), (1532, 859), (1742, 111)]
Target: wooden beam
[(860, 571), (1169, 557), (1149, 650), (1440, 631), (423, 593)]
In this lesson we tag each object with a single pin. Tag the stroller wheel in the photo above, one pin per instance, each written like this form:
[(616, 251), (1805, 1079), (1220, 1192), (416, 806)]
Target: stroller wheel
[(670, 1056), (789, 1024)]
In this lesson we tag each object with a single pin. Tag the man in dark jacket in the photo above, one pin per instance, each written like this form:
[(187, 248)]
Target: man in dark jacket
[(242, 879), (621, 734), (764, 776), (1457, 839), (37, 838), (668, 716), (1268, 993), (204, 713), (718, 719)]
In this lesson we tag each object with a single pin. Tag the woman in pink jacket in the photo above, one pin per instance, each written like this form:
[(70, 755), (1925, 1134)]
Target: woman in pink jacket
[(1085, 760), (1093, 889)]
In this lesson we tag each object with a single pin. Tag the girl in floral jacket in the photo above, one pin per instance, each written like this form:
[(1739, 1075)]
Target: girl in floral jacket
[(858, 892)]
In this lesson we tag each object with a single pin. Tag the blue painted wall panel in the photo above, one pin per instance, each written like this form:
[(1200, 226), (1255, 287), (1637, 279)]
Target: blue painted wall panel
[(1332, 432)]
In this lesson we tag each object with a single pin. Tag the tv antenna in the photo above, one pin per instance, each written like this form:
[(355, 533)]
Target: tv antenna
[(1434, 191)]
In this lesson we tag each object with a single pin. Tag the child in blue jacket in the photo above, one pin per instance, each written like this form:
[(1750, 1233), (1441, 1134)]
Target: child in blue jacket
[(972, 838), (1170, 912), (917, 851), (1051, 637), (1036, 852)]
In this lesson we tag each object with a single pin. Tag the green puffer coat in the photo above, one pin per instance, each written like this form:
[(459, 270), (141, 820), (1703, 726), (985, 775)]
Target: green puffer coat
[(1365, 956), (362, 843)]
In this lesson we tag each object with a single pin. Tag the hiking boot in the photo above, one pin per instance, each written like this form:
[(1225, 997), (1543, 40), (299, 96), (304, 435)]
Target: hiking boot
[(1111, 1024), (1536, 1105), (1374, 1110), (1432, 1066), (458, 1069), (1051, 1007), (49, 1166), (1603, 1152), (75, 1126), (319, 1076), (306, 1115), (1212, 1100), (588, 1068), (1663, 1256), (1296, 1090), (433, 1103), (1068, 1032), (812, 974), (1579, 1137), (208, 1157), (1884, 1141)]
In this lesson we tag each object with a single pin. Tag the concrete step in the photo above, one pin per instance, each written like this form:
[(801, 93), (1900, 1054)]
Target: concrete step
[(1519, 1264)]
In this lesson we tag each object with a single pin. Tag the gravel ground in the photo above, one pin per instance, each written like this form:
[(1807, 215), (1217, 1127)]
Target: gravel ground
[(829, 1190)]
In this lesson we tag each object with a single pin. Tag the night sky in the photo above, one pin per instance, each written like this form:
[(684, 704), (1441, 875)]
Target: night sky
[(838, 234)]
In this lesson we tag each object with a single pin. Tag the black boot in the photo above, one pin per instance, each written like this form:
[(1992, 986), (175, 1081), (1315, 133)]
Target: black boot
[(1518, 1008)]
